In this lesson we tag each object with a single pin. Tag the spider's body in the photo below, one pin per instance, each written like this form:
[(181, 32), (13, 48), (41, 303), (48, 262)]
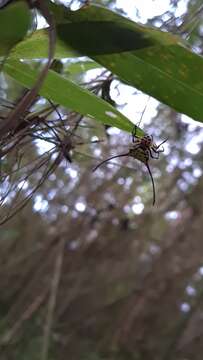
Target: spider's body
[(146, 141), (142, 148), (140, 153)]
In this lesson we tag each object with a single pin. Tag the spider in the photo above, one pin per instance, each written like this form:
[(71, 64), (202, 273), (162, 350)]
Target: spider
[(142, 148)]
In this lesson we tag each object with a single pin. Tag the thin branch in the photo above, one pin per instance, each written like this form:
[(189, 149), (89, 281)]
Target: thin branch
[(52, 300)]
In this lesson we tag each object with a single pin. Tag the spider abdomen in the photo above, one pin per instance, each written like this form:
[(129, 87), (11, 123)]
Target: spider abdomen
[(139, 153)]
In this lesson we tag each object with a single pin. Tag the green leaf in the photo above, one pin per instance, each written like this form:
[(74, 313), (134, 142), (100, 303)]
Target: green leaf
[(15, 20), (81, 67), (155, 62), (35, 46), (64, 92)]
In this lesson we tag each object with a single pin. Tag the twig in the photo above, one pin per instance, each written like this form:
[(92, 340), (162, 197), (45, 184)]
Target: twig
[(26, 316), (52, 300)]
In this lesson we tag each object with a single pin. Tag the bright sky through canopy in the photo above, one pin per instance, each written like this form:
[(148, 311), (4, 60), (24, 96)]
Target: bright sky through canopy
[(150, 8)]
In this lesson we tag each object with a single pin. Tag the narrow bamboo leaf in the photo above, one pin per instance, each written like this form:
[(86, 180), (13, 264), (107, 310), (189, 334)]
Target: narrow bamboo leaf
[(156, 62), (35, 46), (64, 92), (14, 23), (81, 67)]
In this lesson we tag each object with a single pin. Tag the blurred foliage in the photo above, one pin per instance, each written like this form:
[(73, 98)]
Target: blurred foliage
[(18, 15), (89, 270)]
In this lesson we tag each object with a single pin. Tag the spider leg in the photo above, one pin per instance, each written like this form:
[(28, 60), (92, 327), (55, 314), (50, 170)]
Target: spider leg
[(134, 131), (111, 158), (162, 144), (158, 151), (152, 180), (151, 154), (136, 146)]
